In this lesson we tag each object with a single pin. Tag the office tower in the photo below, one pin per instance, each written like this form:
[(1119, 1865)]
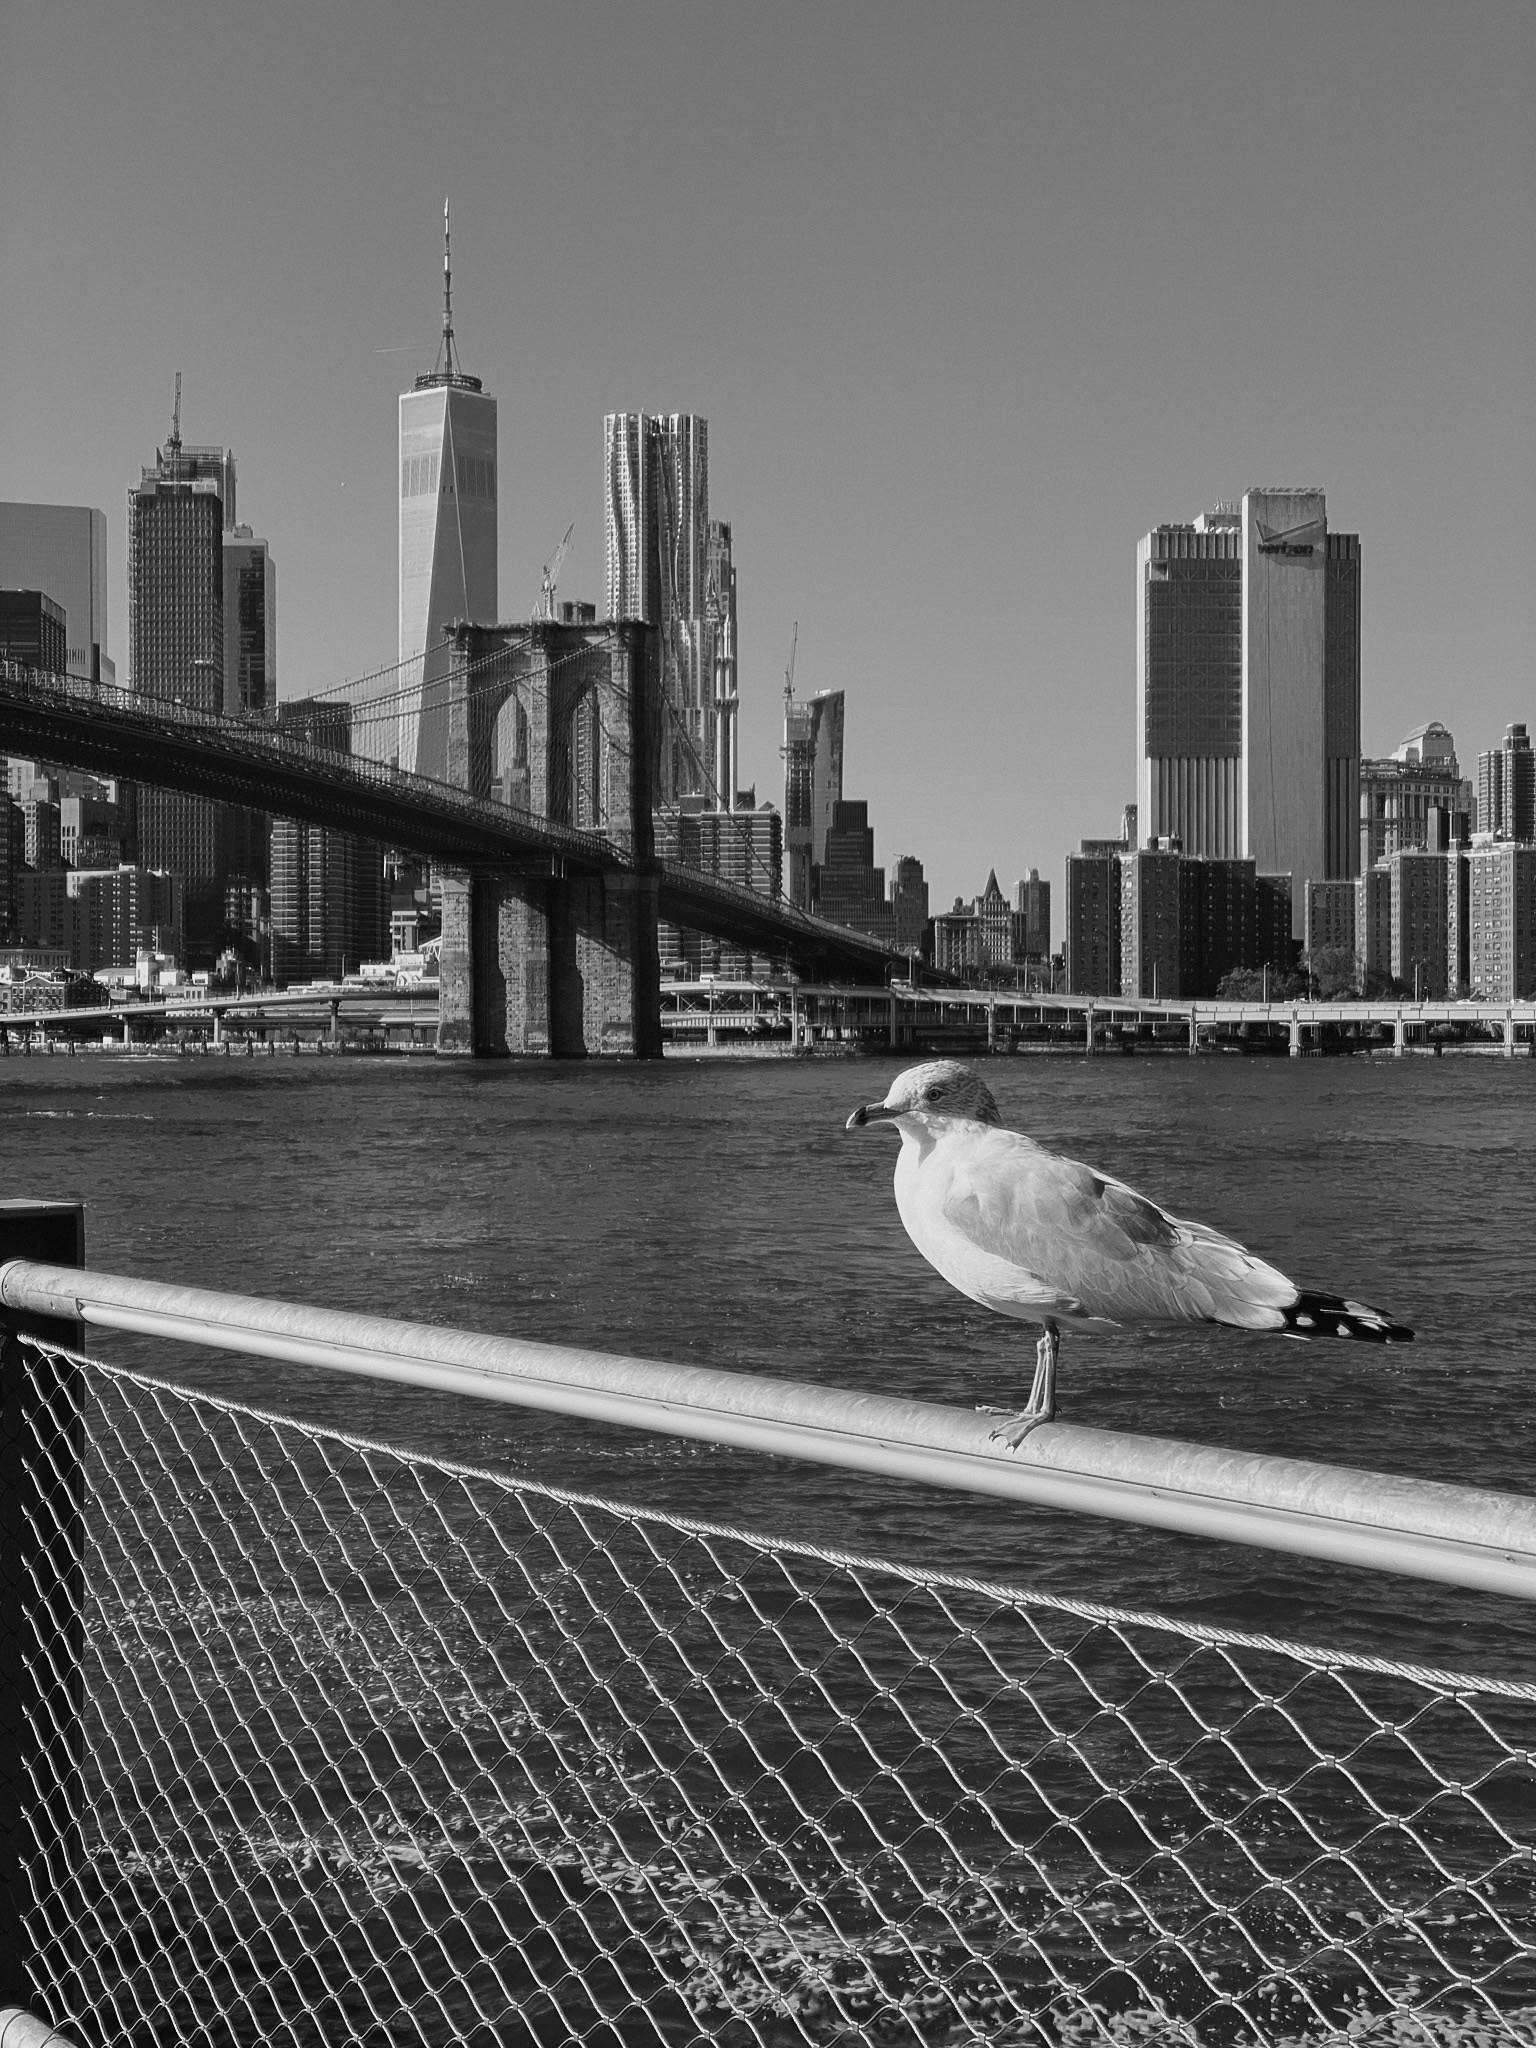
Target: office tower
[(909, 902), (658, 540), (250, 624), (62, 549), (1032, 918), (119, 912), (32, 630), (813, 785), (1506, 787), (1501, 921), (1398, 791), (177, 518), (850, 889), (744, 846), (1248, 686), (330, 905), (447, 534)]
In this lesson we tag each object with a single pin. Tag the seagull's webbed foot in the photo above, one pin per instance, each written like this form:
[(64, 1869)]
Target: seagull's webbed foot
[(1041, 1406)]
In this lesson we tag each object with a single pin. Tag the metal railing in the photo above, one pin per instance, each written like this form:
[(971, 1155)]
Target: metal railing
[(372, 1746)]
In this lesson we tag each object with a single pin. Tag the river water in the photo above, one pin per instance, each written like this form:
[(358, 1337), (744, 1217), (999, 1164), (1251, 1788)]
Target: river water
[(716, 1212)]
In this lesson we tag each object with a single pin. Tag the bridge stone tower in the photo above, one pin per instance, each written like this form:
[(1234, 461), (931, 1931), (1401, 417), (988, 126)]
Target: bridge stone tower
[(560, 957)]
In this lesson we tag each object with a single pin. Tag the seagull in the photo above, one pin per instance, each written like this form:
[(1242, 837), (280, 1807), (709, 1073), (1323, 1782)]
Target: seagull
[(1047, 1240)]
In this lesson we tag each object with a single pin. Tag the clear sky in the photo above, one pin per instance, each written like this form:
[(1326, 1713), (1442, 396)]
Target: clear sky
[(971, 296)]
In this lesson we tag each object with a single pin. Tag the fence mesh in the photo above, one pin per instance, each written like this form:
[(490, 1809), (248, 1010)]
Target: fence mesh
[(378, 1749)]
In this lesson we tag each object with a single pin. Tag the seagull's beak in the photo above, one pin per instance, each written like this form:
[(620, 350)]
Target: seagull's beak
[(868, 1113)]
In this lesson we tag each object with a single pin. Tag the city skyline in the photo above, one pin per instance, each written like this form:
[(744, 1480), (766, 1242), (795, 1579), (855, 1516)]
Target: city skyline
[(1363, 330)]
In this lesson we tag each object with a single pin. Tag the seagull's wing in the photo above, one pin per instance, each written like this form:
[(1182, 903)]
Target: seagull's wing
[(1090, 1239)]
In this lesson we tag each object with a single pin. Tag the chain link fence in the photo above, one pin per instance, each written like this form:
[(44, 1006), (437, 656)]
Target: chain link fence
[(382, 1750)]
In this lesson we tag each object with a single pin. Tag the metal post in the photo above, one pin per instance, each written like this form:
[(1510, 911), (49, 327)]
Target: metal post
[(42, 1612), (1088, 1020), (1509, 1034), (1295, 1035), (1194, 1031)]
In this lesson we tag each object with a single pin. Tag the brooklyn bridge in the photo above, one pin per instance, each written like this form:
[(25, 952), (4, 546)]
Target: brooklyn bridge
[(541, 831)]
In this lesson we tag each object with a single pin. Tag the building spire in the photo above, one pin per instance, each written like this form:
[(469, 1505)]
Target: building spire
[(446, 353), (447, 368)]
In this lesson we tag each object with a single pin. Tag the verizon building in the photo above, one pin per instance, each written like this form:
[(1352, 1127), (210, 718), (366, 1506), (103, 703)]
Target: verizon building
[(1248, 687)]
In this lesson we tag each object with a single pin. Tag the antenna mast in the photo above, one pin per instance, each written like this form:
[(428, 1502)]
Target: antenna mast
[(447, 353)]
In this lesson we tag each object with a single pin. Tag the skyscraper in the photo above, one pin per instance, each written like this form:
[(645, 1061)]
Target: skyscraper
[(813, 785), (656, 499), (1248, 686), (1506, 787), (447, 534), (250, 624), (177, 519), (62, 549)]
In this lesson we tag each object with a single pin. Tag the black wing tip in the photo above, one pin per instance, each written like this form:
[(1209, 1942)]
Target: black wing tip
[(1329, 1315)]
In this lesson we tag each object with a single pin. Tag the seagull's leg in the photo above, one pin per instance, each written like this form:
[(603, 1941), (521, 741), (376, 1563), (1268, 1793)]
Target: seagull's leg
[(1042, 1395)]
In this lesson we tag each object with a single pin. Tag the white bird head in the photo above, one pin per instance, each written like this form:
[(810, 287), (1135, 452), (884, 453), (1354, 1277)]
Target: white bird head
[(938, 1088)]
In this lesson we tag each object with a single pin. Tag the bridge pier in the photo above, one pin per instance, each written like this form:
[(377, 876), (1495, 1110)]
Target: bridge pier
[(552, 966)]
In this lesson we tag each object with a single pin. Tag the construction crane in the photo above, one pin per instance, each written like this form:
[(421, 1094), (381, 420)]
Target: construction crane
[(174, 444), (789, 673), (545, 609)]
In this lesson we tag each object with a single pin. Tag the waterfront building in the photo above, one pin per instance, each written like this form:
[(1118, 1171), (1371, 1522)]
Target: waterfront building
[(1248, 686), (1330, 925), (813, 785), (32, 630), (1091, 941), (1032, 918), (1373, 924), (850, 888), (1501, 921), (909, 904), (1152, 920), (448, 528), (661, 547), (330, 907), (62, 550), (1419, 956), (1398, 792), (1506, 788)]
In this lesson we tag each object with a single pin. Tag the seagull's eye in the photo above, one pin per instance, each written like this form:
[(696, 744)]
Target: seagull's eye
[(934, 1094)]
